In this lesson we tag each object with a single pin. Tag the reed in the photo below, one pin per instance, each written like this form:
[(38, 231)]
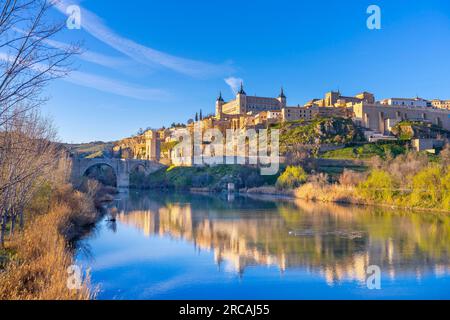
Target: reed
[(38, 269)]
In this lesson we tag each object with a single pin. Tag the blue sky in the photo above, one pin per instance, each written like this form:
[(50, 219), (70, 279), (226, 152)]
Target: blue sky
[(151, 63)]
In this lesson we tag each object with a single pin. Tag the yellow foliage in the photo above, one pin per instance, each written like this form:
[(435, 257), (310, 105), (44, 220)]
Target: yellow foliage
[(293, 177), (445, 185), (427, 186), (379, 186)]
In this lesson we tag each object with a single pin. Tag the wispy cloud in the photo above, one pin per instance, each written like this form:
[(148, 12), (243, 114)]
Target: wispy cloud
[(116, 87), (234, 83), (95, 26), (93, 57), (104, 60), (87, 55), (105, 84)]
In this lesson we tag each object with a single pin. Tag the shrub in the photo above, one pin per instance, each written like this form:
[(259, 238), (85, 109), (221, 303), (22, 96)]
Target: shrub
[(293, 177), (445, 187), (403, 168), (41, 198), (320, 179), (427, 187), (351, 178), (254, 180), (378, 186), (201, 180), (445, 155)]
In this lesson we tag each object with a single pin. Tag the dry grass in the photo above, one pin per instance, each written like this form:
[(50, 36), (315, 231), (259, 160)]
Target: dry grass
[(270, 191), (38, 270), (328, 193)]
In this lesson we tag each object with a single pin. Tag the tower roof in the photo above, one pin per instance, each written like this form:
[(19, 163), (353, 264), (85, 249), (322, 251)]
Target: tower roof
[(282, 93), (220, 97), (241, 91)]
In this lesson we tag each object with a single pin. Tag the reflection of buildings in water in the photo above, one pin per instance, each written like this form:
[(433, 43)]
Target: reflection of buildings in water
[(266, 240), (352, 270), (229, 239)]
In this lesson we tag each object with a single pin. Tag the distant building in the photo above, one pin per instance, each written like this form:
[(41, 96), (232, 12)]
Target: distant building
[(327, 112), (244, 104), (373, 136), (335, 99), (440, 104), (296, 113), (406, 102), (427, 144), (143, 147), (381, 117)]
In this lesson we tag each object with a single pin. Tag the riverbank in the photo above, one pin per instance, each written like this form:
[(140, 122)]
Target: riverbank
[(37, 259), (214, 178), (411, 180), (332, 193)]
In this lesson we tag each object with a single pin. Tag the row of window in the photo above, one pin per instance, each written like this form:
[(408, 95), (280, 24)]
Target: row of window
[(397, 103)]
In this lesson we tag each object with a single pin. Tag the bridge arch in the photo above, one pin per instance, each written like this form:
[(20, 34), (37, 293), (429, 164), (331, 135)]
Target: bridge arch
[(121, 168), (139, 167), (96, 171)]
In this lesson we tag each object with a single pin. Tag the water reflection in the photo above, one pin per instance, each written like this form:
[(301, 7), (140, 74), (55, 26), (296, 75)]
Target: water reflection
[(338, 242)]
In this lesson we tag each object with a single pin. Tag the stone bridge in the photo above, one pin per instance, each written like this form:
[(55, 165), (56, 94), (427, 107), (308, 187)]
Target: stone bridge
[(121, 167)]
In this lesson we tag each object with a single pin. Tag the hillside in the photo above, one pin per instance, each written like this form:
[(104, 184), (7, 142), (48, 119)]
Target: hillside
[(407, 130), (91, 150), (316, 132)]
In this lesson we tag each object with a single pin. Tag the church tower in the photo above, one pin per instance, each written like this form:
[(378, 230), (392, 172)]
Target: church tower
[(282, 99), (241, 100), (219, 104)]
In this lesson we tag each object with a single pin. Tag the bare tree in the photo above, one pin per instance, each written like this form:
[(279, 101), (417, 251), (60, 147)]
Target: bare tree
[(30, 154), (28, 62)]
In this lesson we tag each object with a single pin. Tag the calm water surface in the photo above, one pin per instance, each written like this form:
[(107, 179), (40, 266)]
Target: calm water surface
[(184, 246)]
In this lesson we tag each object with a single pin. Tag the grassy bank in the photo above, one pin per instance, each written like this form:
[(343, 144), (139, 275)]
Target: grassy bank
[(37, 259), (336, 193)]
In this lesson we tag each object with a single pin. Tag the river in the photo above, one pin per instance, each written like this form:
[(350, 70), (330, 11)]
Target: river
[(189, 246)]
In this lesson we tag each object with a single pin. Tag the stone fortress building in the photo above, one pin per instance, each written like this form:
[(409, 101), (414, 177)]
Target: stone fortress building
[(244, 104)]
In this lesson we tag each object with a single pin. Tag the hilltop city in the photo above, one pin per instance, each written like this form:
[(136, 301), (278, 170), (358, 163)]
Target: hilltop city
[(427, 121)]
